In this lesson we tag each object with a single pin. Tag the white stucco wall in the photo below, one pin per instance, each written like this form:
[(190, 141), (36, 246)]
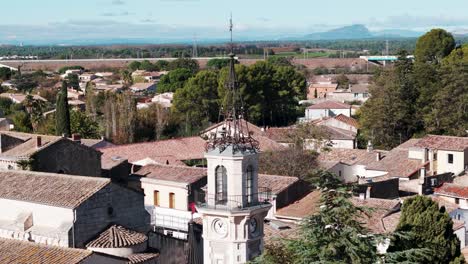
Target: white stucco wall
[(321, 113), (458, 162), (45, 219), (461, 234), (165, 188), (416, 153), (338, 124), (343, 143)]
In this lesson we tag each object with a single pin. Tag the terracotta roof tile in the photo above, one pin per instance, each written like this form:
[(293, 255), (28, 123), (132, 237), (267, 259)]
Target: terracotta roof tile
[(117, 237), (330, 105), (304, 207), (454, 190), (141, 257), (22, 252), (276, 183), (399, 155), (172, 150), (349, 156), (173, 173), (382, 215), (47, 188), (443, 142), (347, 120)]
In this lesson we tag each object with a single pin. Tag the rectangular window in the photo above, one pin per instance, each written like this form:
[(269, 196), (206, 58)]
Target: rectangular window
[(457, 200), (450, 158), (171, 200), (156, 198)]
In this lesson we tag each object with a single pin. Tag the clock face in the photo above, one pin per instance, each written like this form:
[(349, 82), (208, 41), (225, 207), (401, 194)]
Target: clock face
[(253, 225), (220, 227)]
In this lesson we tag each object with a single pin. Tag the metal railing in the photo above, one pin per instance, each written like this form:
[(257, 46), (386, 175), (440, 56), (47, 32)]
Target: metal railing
[(232, 202)]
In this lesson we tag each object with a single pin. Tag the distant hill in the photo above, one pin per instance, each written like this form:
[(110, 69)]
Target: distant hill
[(361, 32), (348, 32)]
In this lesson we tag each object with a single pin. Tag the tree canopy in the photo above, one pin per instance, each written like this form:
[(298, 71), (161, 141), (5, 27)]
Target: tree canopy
[(174, 80), (423, 225), (62, 113), (332, 235), (434, 46)]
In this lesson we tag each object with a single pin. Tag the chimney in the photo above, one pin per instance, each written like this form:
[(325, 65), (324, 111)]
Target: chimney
[(76, 138), (378, 156), (38, 141), (370, 147)]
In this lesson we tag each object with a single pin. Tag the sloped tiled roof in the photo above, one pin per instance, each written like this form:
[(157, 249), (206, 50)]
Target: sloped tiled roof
[(304, 207), (397, 163), (335, 133), (280, 134), (379, 218), (454, 190), (182, 174), (245, 126), (276, 183), (172, 150), (443, 143), (29, 146), (187, 148), (347, 120), (47, 188), (330, 105), (22, 252), (349, 156), (141, 257), (117, 237)]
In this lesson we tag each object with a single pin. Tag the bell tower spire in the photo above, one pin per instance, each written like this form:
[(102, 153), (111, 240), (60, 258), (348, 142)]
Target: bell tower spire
[(234, 134), (233, 207)]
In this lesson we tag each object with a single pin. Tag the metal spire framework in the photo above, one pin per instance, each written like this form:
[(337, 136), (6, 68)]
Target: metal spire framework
[(234, 130)]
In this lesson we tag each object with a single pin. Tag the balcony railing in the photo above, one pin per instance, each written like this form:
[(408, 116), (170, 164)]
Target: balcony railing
[(232, 202)]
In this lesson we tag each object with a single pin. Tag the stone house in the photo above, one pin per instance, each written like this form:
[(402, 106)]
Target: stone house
[(49, 154), (65, 210)]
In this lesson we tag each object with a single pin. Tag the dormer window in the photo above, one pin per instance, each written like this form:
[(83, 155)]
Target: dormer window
[(221, 185)]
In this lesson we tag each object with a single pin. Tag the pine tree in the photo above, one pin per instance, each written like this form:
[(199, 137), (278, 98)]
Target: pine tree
[(424, 226), (62, 114), (333, 235)]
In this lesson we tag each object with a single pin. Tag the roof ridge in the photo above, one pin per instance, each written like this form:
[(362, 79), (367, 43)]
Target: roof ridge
[(149, 142)]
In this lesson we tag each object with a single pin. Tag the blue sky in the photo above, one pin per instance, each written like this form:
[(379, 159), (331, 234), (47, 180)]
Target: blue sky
[(55, 20)]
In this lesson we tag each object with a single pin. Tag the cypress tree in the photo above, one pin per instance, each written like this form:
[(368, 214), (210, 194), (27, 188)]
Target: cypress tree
[(62, 114), (424, 226)]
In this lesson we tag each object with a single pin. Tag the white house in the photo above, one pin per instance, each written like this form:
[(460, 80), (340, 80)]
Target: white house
[(87, 77), (65, 210), (444, 153), (143, 87), (164, 99), (327, 109), (169, 196), (355, 92)]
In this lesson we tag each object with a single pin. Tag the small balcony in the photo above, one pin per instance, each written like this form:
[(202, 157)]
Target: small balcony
[(232, 202)]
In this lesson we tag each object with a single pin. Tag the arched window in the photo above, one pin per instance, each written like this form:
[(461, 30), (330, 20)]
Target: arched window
[(221, 185), (249, 183)]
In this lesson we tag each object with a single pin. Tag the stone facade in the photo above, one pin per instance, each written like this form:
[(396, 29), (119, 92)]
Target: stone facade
[(112, 204), (66, 156)]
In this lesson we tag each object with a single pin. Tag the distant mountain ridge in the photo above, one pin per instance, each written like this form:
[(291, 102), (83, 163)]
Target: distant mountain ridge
[(359, 31)]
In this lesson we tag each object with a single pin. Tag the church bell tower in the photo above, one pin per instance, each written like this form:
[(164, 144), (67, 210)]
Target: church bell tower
[(234, 208)]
